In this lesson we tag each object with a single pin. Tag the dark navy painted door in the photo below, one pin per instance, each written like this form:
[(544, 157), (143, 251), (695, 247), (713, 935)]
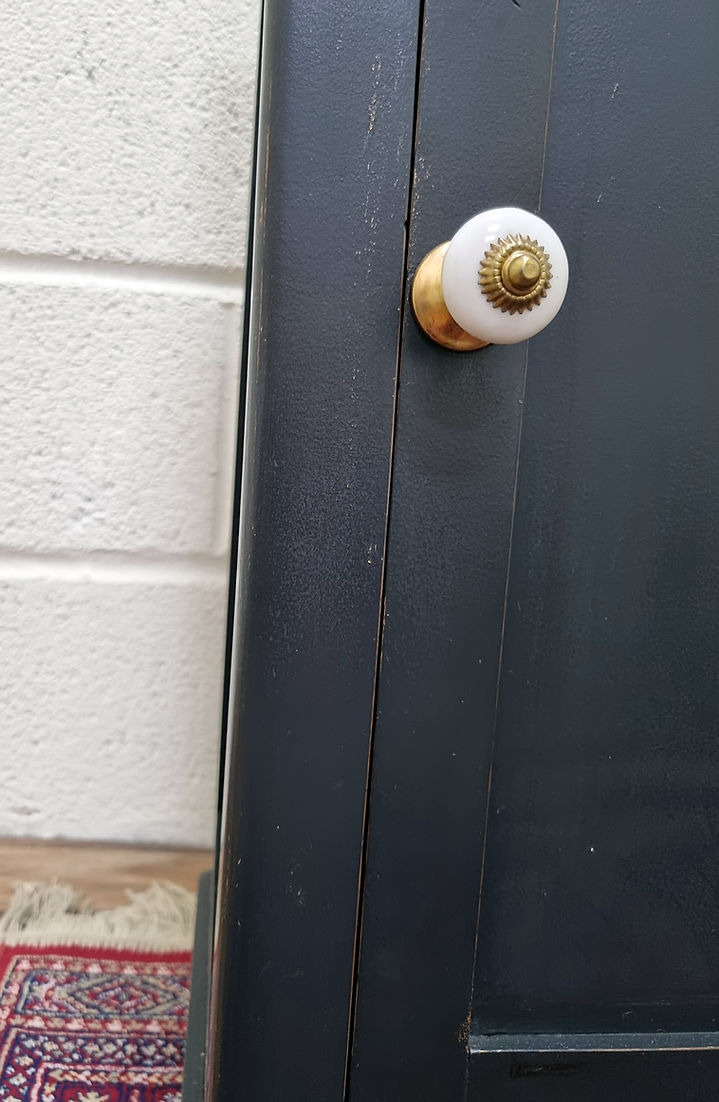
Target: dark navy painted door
[(541, 912)]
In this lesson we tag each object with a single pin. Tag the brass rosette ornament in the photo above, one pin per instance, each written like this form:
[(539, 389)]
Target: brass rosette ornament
[(515, 273)]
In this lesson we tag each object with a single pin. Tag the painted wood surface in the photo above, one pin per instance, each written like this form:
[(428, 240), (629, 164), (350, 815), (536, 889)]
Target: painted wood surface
[(594, 736), (333, 170), (480, 144)]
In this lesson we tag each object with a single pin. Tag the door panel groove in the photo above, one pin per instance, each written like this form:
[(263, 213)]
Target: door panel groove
[(404, 300), (493, 737), (522, 400), (328, 254), (549, 107), (479, 143)]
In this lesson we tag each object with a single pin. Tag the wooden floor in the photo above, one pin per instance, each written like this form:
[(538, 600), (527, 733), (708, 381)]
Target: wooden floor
[(99, 871)]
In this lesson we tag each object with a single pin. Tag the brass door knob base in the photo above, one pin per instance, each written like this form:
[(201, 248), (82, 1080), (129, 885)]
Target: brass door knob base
[(430, 309), (501, 279)]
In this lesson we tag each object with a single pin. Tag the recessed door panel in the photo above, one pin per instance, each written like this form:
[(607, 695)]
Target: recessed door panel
[(540, 907)]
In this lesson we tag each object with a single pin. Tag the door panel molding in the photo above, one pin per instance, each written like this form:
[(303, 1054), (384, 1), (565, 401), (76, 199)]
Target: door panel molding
[(332, 183), (479, 144), (595, 1067)]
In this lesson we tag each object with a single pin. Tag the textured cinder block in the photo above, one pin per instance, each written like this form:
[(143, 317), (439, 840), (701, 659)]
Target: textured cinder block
[(109, 710), (126, 128), (111, 412)]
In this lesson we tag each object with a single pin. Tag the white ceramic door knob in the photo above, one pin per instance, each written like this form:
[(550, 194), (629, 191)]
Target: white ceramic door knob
[(500, 280)]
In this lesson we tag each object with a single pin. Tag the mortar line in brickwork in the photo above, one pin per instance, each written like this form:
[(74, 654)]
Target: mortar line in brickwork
[(113, 568), (220, 284)]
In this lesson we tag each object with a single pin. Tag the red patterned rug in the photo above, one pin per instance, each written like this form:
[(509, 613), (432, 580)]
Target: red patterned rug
[(82, 1024)]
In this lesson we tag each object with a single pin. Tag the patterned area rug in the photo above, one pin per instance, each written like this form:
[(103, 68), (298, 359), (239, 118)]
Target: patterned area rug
[(81, 1024)]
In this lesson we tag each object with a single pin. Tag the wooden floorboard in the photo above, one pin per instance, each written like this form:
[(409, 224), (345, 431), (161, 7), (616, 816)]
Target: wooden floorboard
[(100, 871)]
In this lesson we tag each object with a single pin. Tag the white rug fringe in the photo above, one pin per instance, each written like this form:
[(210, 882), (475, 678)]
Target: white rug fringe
[(159, 919)]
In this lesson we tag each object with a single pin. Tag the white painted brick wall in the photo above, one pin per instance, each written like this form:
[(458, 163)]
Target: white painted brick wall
[(125, 128), (111, 404), (109, 694), (126, 132)]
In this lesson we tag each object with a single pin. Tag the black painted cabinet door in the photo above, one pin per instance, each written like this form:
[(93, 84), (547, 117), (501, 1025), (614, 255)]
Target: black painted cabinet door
[(540, 916)]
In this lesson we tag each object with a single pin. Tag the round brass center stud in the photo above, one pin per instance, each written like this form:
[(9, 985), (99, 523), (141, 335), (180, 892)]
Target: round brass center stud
[(515, 273), (520, 272)]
